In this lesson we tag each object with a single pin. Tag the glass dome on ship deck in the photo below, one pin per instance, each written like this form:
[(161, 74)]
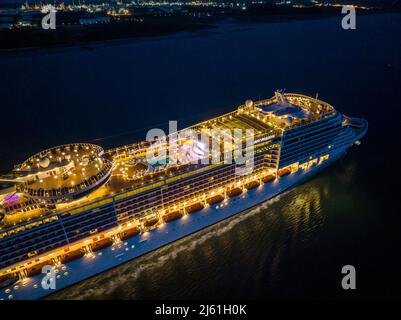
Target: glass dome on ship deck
[(64, 173)]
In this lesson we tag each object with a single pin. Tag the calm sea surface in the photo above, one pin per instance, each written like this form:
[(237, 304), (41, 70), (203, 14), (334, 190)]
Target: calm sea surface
[(291, 247)]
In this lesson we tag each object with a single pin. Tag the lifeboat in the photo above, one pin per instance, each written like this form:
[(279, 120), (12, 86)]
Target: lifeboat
[(172, 216), (215, 199), (101, 244), (284, 172), (252, 185), (37, 268), (151, 222), (268, 178), (129, 233), (194, 207), (234, 192), (72, 255), (8, 279)]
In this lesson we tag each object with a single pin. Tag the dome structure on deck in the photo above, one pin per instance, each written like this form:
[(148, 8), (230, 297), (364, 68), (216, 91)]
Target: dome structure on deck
[(64, 173)]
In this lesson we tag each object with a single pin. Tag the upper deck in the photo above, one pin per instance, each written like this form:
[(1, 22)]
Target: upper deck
[(69, 176)]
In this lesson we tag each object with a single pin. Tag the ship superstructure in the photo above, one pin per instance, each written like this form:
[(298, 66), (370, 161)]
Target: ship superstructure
[(75, 200)]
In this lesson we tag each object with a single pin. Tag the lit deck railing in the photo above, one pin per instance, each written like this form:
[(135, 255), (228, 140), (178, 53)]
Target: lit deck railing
[(65, 191)]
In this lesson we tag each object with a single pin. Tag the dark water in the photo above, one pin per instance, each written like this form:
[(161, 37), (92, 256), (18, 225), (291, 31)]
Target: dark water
[(291, 247)]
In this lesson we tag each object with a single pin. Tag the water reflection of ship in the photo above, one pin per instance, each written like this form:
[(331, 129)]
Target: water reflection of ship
[(276, 227)]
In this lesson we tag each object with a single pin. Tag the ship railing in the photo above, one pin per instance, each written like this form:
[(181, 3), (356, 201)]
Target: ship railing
[(56, 192), (122, 151), (45, 152), (303, 122)]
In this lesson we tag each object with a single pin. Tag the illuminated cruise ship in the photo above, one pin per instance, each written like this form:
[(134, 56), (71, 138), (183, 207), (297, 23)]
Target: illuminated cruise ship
[(82, 210)]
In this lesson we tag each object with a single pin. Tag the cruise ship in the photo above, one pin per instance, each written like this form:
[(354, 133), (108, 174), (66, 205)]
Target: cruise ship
[(76, 210)]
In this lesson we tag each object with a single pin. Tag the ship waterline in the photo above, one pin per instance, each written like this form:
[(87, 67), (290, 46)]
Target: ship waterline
[(84, 210)]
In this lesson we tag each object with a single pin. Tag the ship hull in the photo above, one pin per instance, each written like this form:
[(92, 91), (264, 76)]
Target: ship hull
[(129, 249)]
